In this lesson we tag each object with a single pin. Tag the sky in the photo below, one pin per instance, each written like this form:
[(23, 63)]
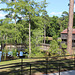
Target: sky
[(54, 7)]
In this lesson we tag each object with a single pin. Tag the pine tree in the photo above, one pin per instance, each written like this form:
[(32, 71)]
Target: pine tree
[(70, 25)]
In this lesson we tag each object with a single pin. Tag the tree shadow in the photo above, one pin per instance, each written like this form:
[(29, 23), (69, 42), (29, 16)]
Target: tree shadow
[(41, 66)]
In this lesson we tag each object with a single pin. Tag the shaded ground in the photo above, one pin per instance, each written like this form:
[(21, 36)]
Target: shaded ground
[(36, 66)]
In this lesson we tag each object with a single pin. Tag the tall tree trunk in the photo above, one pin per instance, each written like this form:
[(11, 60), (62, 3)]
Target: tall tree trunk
[(6, 48), (29, 34), (29, 37), (15, 17), (44, 33), (15, 29), (70, 25)]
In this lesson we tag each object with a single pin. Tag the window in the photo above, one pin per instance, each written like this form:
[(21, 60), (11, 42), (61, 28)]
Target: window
[(65, 40)]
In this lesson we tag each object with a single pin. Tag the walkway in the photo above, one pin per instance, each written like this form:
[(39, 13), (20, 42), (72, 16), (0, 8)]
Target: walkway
[(71, 72)]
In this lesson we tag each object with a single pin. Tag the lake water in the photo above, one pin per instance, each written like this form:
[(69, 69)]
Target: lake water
[(0, 55), (10, 53)]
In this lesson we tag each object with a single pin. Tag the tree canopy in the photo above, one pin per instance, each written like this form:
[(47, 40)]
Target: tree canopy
[(15, 27)]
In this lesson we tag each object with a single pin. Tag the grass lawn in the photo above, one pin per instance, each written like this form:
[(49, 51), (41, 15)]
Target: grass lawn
[(36, 65), (18, 61), (7, 66)]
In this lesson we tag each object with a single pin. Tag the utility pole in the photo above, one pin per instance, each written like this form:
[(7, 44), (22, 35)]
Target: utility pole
[(70, 25)]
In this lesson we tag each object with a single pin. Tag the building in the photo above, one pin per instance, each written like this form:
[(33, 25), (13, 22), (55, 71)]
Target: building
[(64, 37), (12, 46), (45, 46)]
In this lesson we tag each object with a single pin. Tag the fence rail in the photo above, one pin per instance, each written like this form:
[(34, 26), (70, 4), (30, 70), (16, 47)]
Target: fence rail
[(49, 64)]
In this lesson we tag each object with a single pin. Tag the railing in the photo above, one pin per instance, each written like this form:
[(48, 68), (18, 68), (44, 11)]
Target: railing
[(44, 65)]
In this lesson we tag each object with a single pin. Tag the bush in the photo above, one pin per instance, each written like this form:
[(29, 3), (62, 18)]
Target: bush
[(64, 46), (14, 53), (39, 54), (36, 52), (54, 48), (5, 53)]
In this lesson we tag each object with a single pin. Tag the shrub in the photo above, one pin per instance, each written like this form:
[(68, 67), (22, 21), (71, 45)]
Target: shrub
[(14, 53), (64, 46), (54, 48)]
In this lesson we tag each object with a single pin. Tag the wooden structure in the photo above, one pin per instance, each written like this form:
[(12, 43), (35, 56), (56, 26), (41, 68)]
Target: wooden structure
[(17, 46), (64, 37), (48, 38), (44, 47)]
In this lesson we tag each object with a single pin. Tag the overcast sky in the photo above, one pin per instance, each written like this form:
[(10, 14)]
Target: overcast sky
[(54, 7)]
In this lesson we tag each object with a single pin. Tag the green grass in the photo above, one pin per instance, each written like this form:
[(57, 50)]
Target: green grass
[(18, 61), (13, 63), (34, 65)]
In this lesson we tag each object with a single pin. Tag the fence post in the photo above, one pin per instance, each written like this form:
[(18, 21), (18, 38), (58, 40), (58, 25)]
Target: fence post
[(59, 68), (21, 65), (46, 65), (30, 68), (74, 61)]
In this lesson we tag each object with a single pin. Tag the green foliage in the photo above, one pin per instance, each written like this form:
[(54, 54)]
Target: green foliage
[(74, 20), (5, 53), (15, 27), (36, 52), (55, 37), (54, 48), (57, 25), (63, 45), (14, 53), (59, 41), (54, 26), (39, 54)]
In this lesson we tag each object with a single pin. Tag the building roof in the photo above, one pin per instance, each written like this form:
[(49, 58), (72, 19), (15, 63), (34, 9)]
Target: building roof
[(65, 31)]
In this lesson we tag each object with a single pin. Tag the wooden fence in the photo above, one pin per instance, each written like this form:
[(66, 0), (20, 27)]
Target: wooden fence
[(44, 65)]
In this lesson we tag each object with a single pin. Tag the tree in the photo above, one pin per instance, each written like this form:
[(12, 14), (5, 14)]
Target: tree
[(53, 28), (74, 20), (54, 48), (13, 15), (32, 9), (70, 25), (64, 20), (26, 15), (46, 24)]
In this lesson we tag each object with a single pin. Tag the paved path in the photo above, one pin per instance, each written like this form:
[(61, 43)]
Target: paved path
[(71, 72)]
